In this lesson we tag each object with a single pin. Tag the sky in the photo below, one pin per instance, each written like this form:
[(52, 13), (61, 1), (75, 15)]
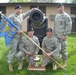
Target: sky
[(4, 1)]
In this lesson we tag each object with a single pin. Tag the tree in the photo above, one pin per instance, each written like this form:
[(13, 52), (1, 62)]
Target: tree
[(42, 0), (73, 1), (32, 0), (70, 1)]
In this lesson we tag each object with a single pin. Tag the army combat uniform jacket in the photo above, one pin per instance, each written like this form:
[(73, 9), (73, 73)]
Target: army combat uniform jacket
[(27, 46), (62, 25), (52, 46)]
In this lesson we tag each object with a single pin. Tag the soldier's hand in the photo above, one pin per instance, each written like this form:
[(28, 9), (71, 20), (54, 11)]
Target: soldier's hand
[(34, 55), (48, 54), (64, 37), (44, 57), (19, 32), (29, 53)]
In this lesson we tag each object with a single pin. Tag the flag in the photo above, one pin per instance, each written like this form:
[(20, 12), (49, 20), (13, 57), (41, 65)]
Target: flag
[(7, 29)]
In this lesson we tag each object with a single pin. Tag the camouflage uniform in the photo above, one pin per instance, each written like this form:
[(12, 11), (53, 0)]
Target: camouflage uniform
[(62, 26), (17, 20), (52, 46), (26, 46)]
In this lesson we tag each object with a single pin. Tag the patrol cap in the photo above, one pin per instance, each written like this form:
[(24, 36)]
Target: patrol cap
[(30, 29), (60, 4), (49, 30), (18, 7)]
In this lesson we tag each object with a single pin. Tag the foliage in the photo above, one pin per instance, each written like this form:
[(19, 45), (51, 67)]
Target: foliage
[(65, 1), (19, 0), (31, 0), (73, 1)]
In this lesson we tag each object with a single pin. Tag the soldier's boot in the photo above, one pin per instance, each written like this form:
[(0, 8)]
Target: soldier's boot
[(20, 65), (64, 64), (10, 68), (54, 66)]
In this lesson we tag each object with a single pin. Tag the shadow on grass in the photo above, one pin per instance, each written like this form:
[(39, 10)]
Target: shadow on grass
[(72, 35), (72, 53)]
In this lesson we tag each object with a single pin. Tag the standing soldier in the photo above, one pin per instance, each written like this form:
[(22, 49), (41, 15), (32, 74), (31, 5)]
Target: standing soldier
[(17, 18), (28, 49), (52, 47), (62, 27)]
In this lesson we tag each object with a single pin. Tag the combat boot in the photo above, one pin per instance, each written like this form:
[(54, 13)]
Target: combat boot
[(64, 64), (10, 68), (20, 65), (54, 66)]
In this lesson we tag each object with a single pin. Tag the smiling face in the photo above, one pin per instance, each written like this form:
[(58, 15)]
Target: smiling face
[(49, 34), (61, 9), (30, 33)]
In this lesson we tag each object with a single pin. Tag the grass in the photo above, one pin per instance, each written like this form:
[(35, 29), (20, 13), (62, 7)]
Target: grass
[(69, 70)]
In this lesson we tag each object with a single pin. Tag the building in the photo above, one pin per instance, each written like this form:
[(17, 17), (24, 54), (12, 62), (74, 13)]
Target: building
[(49, 9)]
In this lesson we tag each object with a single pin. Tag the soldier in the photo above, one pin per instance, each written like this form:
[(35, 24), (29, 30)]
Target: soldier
[(62, 27), (28, 49), (52, 47), (17, 18)]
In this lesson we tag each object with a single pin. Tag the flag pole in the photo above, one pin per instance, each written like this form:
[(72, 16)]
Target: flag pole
[(38, 46)]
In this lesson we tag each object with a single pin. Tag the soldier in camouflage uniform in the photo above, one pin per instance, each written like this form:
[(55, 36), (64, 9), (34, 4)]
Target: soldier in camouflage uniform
[(28, 49), (52, 47), (62, 27), (17, 18)]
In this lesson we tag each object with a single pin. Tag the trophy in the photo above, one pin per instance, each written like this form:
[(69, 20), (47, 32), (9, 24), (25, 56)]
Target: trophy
[(36, 59), (37, 67)]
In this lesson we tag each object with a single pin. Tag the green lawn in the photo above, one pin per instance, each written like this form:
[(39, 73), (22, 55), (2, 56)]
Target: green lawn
[(69, 70)]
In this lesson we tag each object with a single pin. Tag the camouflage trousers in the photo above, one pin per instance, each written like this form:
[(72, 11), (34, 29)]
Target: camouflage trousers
[(13, 49), (46, 60), (29, 58), (63, 49)]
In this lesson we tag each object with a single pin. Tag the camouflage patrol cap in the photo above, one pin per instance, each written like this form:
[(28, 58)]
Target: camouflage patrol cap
[(49, 30), (30, 29), (18, 7), (60, 4)]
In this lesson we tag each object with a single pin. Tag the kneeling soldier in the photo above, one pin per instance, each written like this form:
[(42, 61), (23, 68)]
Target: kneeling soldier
[(28, 49), (52, 47)]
